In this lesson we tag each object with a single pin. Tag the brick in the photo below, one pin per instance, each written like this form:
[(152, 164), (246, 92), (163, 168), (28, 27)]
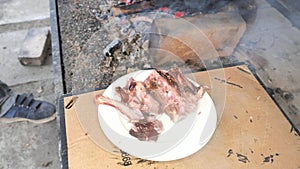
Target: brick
[(35, 46), (197, 37)]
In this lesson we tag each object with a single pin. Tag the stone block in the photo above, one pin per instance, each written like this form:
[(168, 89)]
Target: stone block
[(35, 47), (197, 37)]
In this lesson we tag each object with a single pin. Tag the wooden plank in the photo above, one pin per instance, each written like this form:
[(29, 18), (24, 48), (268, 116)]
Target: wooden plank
[(252, 133)]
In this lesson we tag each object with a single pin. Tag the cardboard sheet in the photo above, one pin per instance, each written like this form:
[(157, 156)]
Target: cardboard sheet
[(252, 132)]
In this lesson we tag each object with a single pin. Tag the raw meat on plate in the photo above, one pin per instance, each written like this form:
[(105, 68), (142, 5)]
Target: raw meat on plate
[(168, 92)]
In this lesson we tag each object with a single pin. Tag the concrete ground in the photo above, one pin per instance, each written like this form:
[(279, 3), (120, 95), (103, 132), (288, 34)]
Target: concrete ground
[(24, 144), (271, 43)]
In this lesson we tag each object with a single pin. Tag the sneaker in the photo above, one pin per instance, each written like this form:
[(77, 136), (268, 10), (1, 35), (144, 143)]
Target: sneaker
[(14, 108), (4, 92)]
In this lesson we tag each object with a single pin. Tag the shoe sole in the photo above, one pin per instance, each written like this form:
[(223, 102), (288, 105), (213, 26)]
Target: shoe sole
[(18, 119)]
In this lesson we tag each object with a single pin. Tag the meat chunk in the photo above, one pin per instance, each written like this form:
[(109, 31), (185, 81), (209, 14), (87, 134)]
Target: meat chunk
[(145, 130), (131, 113), (136, 95), (168, 92), (178, 95)]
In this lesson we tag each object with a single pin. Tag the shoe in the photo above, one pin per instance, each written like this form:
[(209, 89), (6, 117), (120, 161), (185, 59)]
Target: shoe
[(4, 92), (25, 108), (7, 99)]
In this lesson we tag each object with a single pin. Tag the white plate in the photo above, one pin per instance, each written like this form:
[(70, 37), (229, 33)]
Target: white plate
[(179, 140)]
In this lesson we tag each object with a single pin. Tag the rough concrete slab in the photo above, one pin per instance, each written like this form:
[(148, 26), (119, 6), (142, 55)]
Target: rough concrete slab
[(12, 72), (291, 4), (56, 52), (262, 4), (24, 144), (13, 11), (28, 145), (276, 56), (289, 8), (269, 18), (272, 45), (291, 108), (24, 25), (296, 101), (42, 90), (275, 51)]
